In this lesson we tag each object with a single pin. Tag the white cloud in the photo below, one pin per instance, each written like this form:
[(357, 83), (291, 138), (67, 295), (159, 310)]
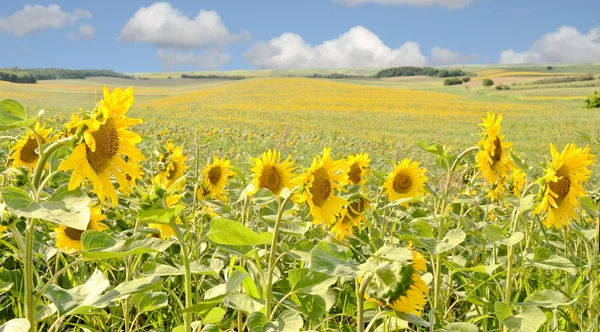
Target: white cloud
[(358, 47), (209, 59), (38, 18), (85, 32), (444, 56), (166, 27), (566, 44), (453, 4)]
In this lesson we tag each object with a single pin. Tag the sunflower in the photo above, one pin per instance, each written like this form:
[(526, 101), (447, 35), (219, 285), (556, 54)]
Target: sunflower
[(562, 184), (216, 177), (106, 139), (408, 293), (317, 186), (350, 217), (271, 173), (70, 128), (493, 159), (174, 165), (406, 180), (25, 152), (2, 229), (517, 182), (69, 239), (358, 166), (166, 231)]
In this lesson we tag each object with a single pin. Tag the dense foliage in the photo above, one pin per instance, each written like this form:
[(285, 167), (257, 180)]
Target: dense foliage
[(335, 76), (59, 73), (487, 82), (220, 77), (593, 100), (416, 71), (565, 79), (17, 78), (453, 81)]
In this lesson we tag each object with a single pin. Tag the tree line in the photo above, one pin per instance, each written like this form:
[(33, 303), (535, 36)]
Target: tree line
[(17, 78), (212, 77), (31, 75), (420, 71)]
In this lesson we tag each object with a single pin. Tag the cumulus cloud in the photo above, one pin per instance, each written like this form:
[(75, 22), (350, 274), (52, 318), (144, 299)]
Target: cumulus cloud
[(358, 47), (444, 56), (85, 32), (166, 27), (209, 59), (566, 44), (453, 4), (37, 18)]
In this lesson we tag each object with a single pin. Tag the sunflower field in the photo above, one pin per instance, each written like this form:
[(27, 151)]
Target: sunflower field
[(102, 230)]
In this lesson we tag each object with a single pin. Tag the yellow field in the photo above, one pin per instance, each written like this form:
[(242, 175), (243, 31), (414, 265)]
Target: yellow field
[(300, 115), (305, 94)]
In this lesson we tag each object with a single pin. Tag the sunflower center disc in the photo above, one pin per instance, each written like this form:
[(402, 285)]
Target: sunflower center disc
[(73, 234), (562, 186), (321, 187), (354, 174), (497, 150), (402, 183), (28, 153), (270, 179), (214, 175), (107, 146)]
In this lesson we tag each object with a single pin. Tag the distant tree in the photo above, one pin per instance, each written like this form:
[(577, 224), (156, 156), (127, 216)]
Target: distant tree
[(593, 100), (170, 77), (487, 82), (549, 68), (453, 81), (466, 79)]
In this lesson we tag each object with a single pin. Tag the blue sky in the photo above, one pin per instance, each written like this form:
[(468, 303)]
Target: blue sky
[(243, 34)]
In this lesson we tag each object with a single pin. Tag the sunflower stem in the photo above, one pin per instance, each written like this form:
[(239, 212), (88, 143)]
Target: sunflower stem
[(54, 277), (187, 317), (44, 159), (28, 274), (509, 262), (361, 287), (461, 156), (594, 270), (271, 268)]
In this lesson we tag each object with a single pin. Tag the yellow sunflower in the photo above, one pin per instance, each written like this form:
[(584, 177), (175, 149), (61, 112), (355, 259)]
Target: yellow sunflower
[(493, 159), (2, 228), (216, 177), (70, 128), (25, 151), (562, 184), (318, 185), (69, 239), (174, 168), (413, 301), (517, 181), (406, 180), (358, 166), (271, 173), (410, 292), (106, 139), (166, 231), (350, 217)]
